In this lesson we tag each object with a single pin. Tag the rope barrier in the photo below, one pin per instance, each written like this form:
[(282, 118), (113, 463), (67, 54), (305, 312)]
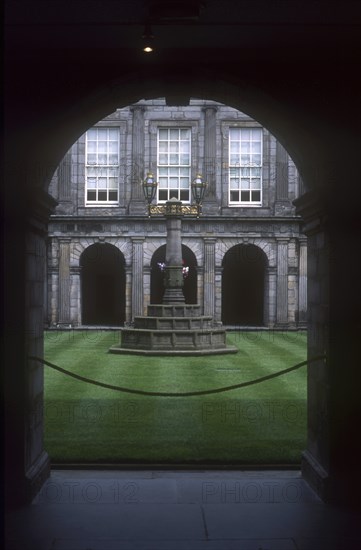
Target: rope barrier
[(181, 394)]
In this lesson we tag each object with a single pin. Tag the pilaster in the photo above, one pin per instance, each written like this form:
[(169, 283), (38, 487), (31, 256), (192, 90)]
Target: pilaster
[(302, 283), (209, 276), (64, 281), (137, 203), (137, 279), (210, 205), (282, 282)]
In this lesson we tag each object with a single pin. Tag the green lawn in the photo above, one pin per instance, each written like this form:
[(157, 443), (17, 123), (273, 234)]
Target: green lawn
[(263, 423)]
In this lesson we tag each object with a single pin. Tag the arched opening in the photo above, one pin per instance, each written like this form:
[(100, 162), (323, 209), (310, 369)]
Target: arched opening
[(190, 280), (243, 286), (102, 285), (308, 137)]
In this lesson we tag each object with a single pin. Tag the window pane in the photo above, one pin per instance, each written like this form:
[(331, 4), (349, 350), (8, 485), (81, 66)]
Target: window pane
[(256, 183), (163, 195), (245, 183), (113, 147), (102, 159), (256, 159), (113, 195), (92, 133), (234, 183), (234, 196), (102, 146), (92, 183), (184, 159), (185, 133), (173, 193), (234, 133), (163, 146), (114, 134), (245, 147), (256, 195), (91, 146), (163, 182), (256, 147), (173, 182), (91, 159), (245, 160), (184, 183), (245, 196), (184, 172), (173, 159), (234, 159), (173, 147), (102, 195), (113, 183), (163, 159), (245, 172), (102, 183), (246, 134), (163, 171), (184, 195), (163, 134), (174, 133), (102, 133), (92, 195), (257, 134), (184, 146)]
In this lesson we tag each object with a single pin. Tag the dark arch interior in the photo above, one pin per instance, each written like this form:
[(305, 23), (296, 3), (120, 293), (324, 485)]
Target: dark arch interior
[(156, 279), (243, 284), (102, 285)]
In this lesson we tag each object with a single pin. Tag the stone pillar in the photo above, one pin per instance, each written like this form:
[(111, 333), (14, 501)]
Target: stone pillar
[(282, 282), (27, 465), (137, 202), (209, 276), (64, 282), (137, 278), (146, 278), (75, 301), (64, 178), (331, 462), (302, 283), (272, 296), (173, 279), (210, 205), (53, 295), (218, 293), (282, 203), (128, 294)]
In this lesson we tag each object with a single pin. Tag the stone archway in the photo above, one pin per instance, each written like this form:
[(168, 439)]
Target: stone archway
[(300, 118), (190, 281), (102, 285), (243, 286)]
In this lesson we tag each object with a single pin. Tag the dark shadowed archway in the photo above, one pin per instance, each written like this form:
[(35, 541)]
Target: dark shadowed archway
[(243, 285), (102, 285), (190, 281)]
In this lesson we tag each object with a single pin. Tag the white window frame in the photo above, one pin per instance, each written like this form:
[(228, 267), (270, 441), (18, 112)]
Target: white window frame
[(177, 170), (108, 171), (245, 175)]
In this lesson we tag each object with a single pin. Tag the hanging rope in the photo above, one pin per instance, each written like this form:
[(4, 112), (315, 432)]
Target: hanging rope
[(181, 394)]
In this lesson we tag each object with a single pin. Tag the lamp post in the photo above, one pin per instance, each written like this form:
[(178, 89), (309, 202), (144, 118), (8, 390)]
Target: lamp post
[(174, 210)]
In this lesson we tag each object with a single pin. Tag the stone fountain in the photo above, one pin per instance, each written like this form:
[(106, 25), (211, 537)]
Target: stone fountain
[(173, 327)]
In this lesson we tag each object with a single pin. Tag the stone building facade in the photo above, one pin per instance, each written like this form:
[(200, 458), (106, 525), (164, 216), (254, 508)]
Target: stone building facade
[(246, 253)]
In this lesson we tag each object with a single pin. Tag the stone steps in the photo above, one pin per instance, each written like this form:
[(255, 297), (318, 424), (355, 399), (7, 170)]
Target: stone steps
[(174, 323), (173, 329)]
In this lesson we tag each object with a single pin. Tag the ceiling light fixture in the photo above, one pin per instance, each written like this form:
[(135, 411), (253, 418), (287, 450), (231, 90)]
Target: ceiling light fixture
[(148, 38)]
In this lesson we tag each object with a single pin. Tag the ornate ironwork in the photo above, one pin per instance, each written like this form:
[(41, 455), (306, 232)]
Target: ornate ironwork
[(174, 209)]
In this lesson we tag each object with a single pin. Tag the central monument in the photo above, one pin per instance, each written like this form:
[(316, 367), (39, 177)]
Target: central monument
[(174, 327)]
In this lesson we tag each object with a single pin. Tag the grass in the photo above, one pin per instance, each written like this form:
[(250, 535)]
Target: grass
[(263, 423)]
